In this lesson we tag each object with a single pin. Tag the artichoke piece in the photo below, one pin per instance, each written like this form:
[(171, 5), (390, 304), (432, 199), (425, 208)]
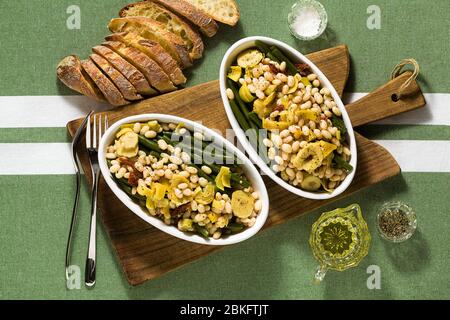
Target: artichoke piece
[(242, 204), (235, 73), (249, 58)]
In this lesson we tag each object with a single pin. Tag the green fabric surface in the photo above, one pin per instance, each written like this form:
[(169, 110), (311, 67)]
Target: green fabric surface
[(276, 264)]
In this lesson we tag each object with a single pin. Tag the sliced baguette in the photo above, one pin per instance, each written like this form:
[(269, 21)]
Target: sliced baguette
[(205, 23), (155, 31), (225, 11), (125, 87), (171, 21), (151, 70), (130, 72), (154, 51), (72, 74), (109, 90)]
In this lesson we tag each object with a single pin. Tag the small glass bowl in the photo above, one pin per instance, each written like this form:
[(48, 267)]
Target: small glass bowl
[(410, 215), (301, 5)]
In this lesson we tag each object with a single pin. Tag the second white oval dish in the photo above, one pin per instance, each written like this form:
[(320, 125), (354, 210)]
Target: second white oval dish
[(297, 57)]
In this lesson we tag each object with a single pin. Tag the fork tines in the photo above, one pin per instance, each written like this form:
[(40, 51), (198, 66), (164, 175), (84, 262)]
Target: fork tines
[(98, 129)]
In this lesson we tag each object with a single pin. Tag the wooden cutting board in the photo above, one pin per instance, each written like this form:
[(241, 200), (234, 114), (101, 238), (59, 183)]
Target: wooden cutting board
[(146, 253)]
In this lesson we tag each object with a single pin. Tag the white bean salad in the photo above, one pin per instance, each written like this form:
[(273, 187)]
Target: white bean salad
[(154, 165), (305, 136)]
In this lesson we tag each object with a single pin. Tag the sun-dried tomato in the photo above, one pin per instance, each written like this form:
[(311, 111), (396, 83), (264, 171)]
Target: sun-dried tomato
[(179, 211), (303, 69), (133, 179)]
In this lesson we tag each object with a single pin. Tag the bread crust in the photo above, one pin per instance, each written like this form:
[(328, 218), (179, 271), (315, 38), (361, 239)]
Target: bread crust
[(71, 73), (130, 72), (109, 90), (171, 21), (205, 23), (125, 87), (230, 10), (154, 51), (155, 31), (152, 71)]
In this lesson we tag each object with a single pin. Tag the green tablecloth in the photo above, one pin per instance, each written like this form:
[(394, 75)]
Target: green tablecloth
[(35, 204)]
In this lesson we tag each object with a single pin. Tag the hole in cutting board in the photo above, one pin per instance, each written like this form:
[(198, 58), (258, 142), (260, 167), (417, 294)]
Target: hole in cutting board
[(394, 97)]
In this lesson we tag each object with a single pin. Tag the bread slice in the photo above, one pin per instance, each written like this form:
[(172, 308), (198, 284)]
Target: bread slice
[(71, 73), (151, 70), (171, 21), (130, 72), (109, 90), (125, 87), (225, 11), (154, 51), (155, 31), (205, 23)]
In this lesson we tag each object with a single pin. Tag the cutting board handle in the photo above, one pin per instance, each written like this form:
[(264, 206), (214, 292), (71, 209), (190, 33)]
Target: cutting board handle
[(384, 102)]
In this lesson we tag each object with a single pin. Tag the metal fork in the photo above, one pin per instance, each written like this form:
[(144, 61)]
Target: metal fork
[(93, 136)]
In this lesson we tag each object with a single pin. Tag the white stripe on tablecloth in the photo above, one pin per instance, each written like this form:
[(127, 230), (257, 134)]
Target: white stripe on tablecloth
[(56, 111), (55, 158), (44, 111), (35, 158)]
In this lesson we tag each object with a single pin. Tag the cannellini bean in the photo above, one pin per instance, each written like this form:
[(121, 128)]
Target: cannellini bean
[(144, 129), (282, 77), (328, 113), (202, 182), (114, 168), (306, 105), (260, 94), (120, 173), (335, 142), (295, 146), (318, 97), (297, 99), (346, 151), (285, 89), (312, 77), (307, 97), (182, 186), (111, 156), (267, 142), (316, 83), (150, 134), (283, 66), (276, 82), (175, 160), (206, 169), (305, 130), (230, 94), (290, 81), (258, 205), (162, 144), (326, 134), (137, 127), (286, 148), (198, 135), (336, 111)]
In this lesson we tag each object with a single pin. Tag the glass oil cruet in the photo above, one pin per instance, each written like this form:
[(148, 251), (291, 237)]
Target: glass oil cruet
[(339, 240)]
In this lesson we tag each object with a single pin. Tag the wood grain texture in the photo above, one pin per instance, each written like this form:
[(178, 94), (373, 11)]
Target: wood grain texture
[(380, 104), (146, 253)]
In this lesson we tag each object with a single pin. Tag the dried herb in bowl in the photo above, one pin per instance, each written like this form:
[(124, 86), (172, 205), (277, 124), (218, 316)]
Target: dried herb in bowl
[(396, 221)]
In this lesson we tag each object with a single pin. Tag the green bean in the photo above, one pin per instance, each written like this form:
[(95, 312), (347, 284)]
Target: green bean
[(289, 65), (241, 119), (152, 145), (255, 119), (201, 230), (235, 227), (264, 48)]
